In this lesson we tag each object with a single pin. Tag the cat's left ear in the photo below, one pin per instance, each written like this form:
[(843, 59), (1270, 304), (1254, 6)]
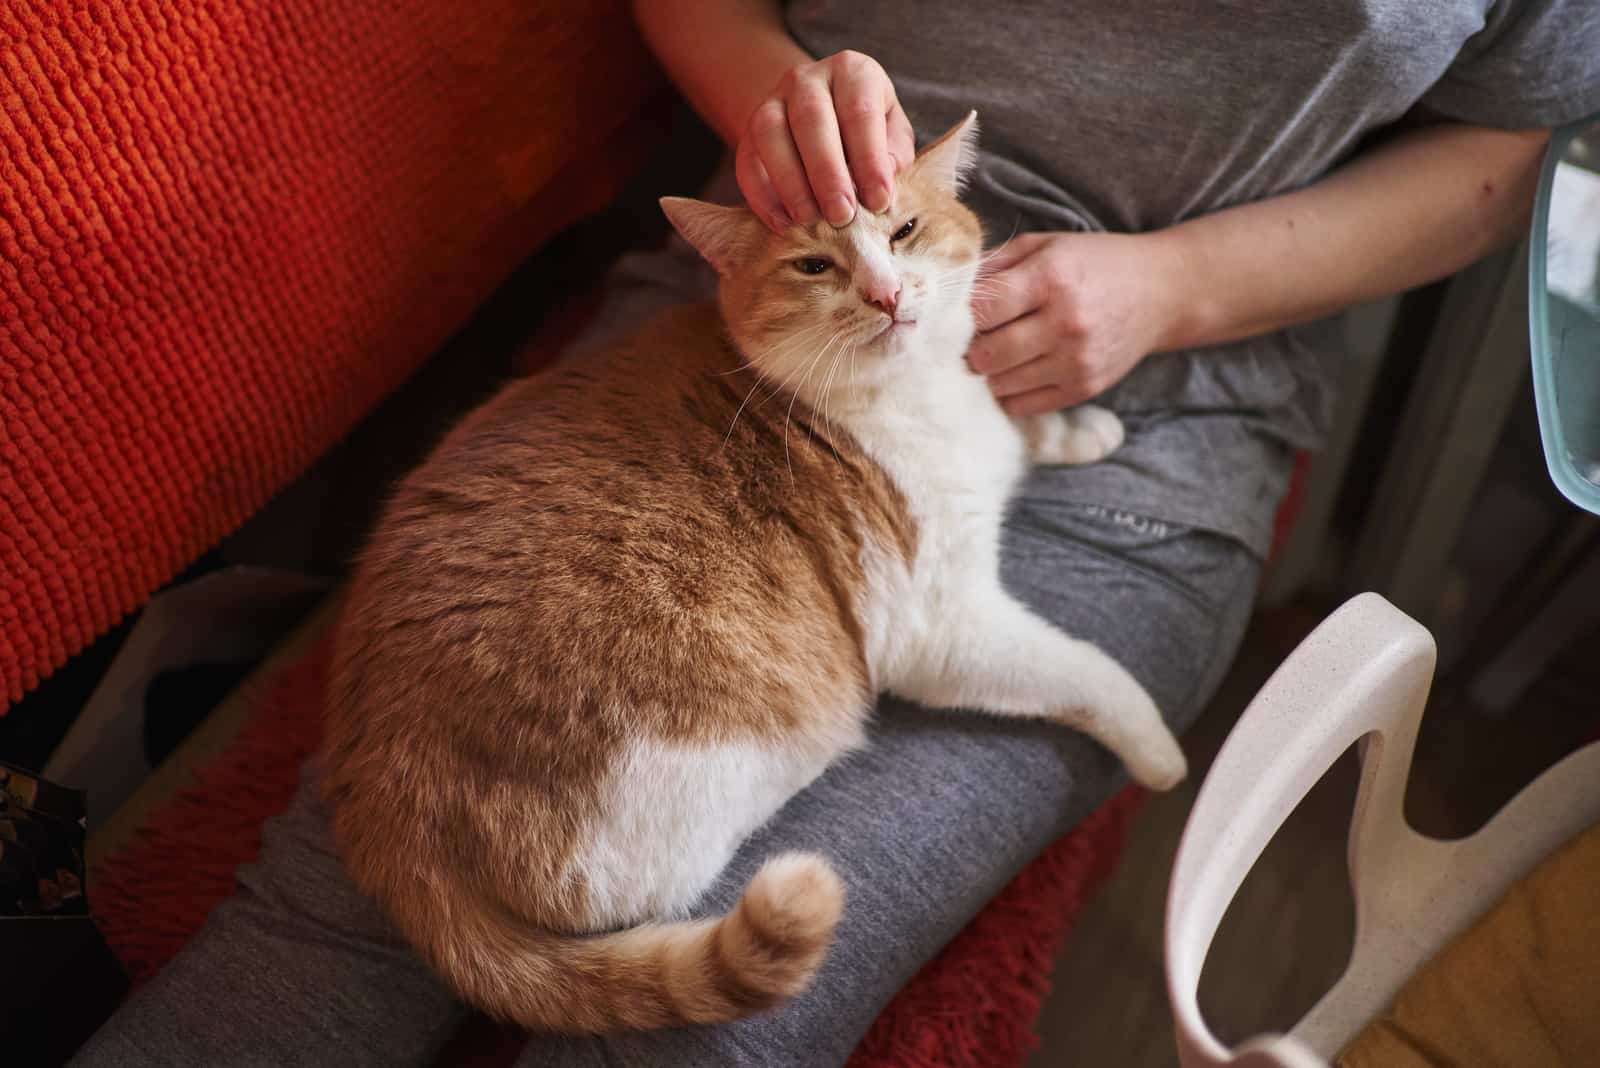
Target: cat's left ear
[(724, 236), (948, 161)]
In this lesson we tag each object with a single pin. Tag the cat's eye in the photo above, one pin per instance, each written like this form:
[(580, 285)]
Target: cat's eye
[(904, 231), (812, 265)]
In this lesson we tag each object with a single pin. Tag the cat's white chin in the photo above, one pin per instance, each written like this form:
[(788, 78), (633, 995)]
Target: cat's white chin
[(894, 332)]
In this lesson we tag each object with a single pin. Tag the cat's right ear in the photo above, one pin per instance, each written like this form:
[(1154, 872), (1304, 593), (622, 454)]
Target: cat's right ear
[(724, 236), (950, 159)]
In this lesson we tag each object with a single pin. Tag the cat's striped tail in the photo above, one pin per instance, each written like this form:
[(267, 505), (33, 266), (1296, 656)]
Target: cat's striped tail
[(657, 975)]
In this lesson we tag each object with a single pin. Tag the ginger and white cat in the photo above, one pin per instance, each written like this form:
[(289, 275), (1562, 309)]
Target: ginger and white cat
[(632, 606)]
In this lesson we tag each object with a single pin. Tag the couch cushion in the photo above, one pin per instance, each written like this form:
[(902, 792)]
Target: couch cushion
[(227, 231)]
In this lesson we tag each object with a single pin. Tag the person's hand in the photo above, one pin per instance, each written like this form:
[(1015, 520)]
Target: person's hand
[(829, 137), (1063, 317)]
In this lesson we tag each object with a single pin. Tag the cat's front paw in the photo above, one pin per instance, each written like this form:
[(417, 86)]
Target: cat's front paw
[(1078, 435), (1093, 433)]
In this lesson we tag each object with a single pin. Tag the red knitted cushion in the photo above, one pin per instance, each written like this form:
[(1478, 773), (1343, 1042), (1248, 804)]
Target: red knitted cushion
[(227, 230)]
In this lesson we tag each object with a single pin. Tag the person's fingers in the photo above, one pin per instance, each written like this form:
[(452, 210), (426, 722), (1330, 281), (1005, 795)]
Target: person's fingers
[(1001, 296), (832, 138), (1035, 374), (769, 130), (1012, 345), (1040, 401), (861, 97), (1013, 252), (757, 188), (816, 134)]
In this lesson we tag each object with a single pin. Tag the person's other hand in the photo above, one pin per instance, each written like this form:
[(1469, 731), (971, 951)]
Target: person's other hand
[(829, 137), (1062, 317)]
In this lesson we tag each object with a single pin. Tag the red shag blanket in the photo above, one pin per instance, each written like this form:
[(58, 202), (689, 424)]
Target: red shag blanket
[(227, 230), (973, 1006)]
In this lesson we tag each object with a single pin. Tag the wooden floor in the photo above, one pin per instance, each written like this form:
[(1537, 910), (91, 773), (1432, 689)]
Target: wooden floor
[(1287, 936)]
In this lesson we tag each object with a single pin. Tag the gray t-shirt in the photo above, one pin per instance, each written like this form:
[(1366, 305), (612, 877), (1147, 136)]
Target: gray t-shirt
[(1130, 115)]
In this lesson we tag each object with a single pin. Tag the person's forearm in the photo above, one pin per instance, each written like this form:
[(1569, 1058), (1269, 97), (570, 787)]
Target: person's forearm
[(725, 55), (1403, 214)]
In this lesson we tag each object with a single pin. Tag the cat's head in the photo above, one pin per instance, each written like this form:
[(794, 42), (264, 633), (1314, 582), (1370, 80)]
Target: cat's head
[(861, 304)]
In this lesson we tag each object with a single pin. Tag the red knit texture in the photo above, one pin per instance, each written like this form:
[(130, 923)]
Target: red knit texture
[(228, 229), (152, 895), (972, 1006)]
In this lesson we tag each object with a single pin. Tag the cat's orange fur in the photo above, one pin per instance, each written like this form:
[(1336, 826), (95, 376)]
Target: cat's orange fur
[(628, 609), (607, 538)]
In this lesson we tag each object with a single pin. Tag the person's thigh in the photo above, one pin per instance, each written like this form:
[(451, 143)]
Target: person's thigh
[(296, 968), (943, 808)]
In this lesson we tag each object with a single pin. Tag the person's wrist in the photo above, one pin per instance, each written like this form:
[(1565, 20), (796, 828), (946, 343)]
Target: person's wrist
[(734, 96), (738, 101), (1183, 313)]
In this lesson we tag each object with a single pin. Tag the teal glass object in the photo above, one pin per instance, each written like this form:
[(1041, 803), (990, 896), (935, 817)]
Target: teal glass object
[(1564, 310)]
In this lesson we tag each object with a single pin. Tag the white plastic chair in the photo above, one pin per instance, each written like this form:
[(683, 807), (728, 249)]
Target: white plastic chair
[(1364, 675)]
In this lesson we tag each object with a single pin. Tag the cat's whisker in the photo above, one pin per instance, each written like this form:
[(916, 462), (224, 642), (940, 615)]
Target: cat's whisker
[(995, 251), (837, 337), (788, 460), (803, 337), (726, 437), (850, 351), (984, 284), (788, 415), (799, 341), (798, 374), (831, 342), (827, 382), (796, 341)]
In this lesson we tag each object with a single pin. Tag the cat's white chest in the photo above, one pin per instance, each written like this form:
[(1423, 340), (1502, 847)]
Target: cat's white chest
[(956, 459)]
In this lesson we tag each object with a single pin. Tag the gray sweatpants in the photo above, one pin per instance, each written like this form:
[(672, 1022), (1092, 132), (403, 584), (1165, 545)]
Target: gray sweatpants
[(925, 825)]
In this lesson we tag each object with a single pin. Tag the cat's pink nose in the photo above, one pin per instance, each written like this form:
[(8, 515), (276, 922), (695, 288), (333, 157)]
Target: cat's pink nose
[(882, 295)]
